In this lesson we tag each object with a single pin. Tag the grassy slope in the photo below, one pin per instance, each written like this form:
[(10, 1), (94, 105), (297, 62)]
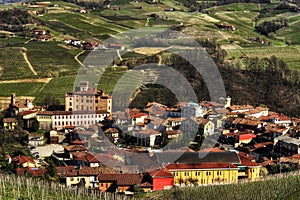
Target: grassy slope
[(12, 188), (278, 188), (53, 59)]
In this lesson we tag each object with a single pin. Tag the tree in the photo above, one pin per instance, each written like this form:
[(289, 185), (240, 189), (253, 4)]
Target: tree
[(51, 102), (35, 126)]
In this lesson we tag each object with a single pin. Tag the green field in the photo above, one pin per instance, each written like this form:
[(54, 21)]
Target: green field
[(49, 59), (13, 65), (21, 89), (57, 87), (55, 59), (291, 55), (81, 25)]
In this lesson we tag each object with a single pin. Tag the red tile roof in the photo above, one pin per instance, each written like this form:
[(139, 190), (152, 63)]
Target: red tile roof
[(9, 120), (71, 148), (214, 149), (247, 160), (203, 165), (86, 157), (161, 173), (146, 184), (111, 130), (247, 136), (27, 112), (77, 142), (36, 172), (122, 179), (20, 160), (262, 144), (66, 171)]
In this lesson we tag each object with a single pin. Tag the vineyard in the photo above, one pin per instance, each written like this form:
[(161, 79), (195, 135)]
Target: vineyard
[(57, 87), (21, 89), (290, 55), (17, 188), (287, 187), (13, 65), (274, 188)]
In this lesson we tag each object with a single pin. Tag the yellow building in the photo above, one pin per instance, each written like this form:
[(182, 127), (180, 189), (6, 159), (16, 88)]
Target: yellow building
[(204, 173), (248, 167), (10, 123)]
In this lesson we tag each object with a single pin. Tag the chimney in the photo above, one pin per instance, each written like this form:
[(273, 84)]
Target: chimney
[(13, 99), (228, 102)]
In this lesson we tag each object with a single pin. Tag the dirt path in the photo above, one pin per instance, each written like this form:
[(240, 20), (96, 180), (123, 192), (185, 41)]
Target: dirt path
[(119, 55), (76, 57), (159, 59), (27, 61), (40, 80), (148, 20)]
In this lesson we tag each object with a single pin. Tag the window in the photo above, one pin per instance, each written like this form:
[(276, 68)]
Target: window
[(70, 103), (72, 179)]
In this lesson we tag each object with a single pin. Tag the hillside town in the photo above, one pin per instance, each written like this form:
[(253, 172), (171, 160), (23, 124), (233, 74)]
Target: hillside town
[(91, 145)]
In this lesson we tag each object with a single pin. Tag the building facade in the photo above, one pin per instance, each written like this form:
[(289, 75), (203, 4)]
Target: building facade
[(60, 119), (87, 99)]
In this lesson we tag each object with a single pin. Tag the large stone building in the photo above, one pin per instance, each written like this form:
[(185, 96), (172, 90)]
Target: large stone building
[(61, 119), (87, 99)]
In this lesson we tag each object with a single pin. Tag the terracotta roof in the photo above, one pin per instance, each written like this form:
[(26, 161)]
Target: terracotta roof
[(85, 171), (247, 136), (247, 160), (203, 165), (75, 148), (111, 130), (9, 120), (36, 172), (20, 160), (241, 107), (214, 149), (77, 142), (146, 184), (262, 144), (161, 173), (267, 162), (50, 113), (244, 121), (122, 179), (83, 156), (149, 132), (20, 105), (27, 112), (66, 171)]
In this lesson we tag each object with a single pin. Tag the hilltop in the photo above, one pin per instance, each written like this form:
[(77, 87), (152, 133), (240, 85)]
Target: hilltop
[(231, 25)]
